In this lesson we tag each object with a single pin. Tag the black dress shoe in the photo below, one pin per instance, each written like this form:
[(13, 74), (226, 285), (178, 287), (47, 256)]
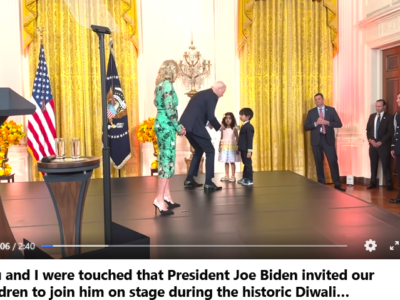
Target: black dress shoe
[(371, 186), (192, 184), (340, 188), (389, 188), (212, 187), (162, 212), (394, 201), (170, 204)]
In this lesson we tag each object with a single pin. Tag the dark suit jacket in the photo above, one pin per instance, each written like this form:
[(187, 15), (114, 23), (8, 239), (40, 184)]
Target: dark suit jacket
[(385, 131), (246, 135), (334, 122), (200, 109), (396, 135)]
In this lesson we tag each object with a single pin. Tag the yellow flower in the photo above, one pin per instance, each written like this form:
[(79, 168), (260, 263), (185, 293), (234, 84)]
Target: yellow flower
[(146, 131), (154, 164), (10, 134)]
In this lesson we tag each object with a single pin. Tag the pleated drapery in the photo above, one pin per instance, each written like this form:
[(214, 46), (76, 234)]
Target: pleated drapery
[(72, 54), (286, 59)]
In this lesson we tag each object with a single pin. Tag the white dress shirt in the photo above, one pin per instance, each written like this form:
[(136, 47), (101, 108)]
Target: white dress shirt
[(376, 119), (319, 112)]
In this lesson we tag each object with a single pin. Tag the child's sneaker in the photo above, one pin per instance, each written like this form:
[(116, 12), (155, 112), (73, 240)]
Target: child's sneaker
[(232, 179), (225, 178), (248, 182), (240, 181)]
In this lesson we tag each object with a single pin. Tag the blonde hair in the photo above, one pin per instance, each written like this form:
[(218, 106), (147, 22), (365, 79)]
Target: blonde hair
[(169, 70)]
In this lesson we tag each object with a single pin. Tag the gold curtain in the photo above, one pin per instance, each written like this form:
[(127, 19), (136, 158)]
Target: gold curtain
[(72, 55), (129, 14), (286, 60), (331, 10), (29, 9), (246, 20)]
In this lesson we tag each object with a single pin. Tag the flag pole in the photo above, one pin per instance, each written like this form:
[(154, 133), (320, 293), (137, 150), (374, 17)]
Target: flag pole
[(41, 30), (101, 31), (111, 45)]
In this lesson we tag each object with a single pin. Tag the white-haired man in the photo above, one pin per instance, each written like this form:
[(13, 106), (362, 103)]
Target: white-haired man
[(199, 113)]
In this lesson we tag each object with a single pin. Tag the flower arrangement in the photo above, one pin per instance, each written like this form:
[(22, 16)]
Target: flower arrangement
[(145, 134), (5, 169), (10, 134), (146, 131)]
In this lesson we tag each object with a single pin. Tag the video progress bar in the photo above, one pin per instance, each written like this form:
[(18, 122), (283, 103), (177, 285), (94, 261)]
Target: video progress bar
[(195, 246)]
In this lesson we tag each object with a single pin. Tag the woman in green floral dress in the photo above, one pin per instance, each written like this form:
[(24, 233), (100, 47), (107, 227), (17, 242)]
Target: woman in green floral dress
[(166, 127)]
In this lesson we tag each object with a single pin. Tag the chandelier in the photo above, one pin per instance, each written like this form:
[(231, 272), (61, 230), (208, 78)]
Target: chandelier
[(194, 69)]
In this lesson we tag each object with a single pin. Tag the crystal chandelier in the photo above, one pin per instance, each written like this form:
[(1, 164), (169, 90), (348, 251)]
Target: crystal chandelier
[(194, 69)]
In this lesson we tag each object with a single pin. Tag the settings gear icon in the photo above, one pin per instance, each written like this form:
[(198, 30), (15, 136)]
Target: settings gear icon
[(370, 245)]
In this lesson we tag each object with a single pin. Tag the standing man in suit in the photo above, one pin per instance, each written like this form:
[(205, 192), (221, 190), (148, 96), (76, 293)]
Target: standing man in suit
[(380, 131), (321, 121), (199, 113), (395, 149)]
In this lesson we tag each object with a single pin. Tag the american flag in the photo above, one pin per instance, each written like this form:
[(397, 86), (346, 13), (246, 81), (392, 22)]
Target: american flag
[(42, 125), (119, 142), (110, 112)]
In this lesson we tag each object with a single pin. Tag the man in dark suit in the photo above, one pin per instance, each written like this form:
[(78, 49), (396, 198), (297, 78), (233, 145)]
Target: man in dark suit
[(199, 113), (395, 148), (321, 121), (380, 132)]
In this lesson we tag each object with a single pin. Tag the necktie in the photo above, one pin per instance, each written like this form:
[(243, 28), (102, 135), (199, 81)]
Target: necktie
[(378, 122), (321, 114)]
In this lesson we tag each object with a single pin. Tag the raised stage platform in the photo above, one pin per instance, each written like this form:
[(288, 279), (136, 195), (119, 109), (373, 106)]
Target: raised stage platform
[(283, 215)]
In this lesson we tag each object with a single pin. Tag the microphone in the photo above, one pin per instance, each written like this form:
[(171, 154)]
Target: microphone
[(48, 159)]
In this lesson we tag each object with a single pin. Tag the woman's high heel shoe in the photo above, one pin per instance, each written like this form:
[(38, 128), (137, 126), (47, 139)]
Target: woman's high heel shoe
[(170, 204), (163, 212)]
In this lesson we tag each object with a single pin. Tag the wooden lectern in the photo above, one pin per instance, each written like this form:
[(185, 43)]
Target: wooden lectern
[(68, 181)]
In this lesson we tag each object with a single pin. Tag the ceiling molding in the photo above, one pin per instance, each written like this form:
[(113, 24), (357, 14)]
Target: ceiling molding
[(380, 17)]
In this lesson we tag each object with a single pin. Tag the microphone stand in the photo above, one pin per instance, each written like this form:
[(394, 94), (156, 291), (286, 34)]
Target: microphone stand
[(101, 31)]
